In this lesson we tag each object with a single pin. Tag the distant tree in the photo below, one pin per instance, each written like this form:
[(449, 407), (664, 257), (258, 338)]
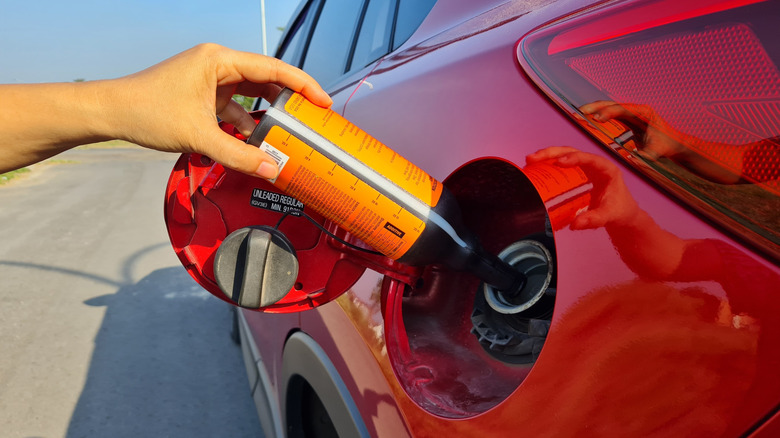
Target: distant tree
[(244, 101), (79, 80)]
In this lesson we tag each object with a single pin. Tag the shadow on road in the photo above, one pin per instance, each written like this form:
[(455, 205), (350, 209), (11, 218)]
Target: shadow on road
[(164, 365)]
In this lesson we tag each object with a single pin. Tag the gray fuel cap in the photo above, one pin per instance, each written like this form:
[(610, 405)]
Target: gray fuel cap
[(256, 266)]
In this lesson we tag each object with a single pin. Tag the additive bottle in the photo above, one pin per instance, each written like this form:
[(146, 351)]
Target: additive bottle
[(371, 191)]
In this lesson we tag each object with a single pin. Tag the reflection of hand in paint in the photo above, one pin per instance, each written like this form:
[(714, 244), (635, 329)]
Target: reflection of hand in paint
[(696, 363), (644, 246), (611, 203), (656, 138), (662, 355)]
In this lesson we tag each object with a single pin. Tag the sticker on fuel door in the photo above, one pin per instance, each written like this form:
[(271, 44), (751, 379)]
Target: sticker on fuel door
[(278, 202), (337, 194)]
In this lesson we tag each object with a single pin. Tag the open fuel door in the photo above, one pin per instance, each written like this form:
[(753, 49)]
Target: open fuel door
[(250, 244)]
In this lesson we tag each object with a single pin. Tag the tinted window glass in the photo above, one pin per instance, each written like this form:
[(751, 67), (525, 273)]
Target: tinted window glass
[(411, 14), (290, 49), (326, 57), (291, 52), (374, 38)]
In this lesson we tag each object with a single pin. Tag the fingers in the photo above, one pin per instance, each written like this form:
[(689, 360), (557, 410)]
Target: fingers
[(267, 91), (589, 162), (263, 69), (253, 75), (604, 111), (588, 220), (237, 155), (236, 115), (566, 156), (610, 202), (595, 106), (201, 82), (595, 166), (549, 153)]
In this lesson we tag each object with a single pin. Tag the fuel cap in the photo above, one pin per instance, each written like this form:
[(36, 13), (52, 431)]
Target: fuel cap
[(255, 266)]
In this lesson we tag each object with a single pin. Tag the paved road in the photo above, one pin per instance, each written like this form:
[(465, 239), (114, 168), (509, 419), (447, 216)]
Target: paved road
[(102, 332)]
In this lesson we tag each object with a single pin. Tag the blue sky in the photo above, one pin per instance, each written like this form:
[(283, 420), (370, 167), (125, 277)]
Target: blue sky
[(59, 41)]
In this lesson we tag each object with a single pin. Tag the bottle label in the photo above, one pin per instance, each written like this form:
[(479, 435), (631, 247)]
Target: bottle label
[(365, 148), (320, 183), (564, 190)]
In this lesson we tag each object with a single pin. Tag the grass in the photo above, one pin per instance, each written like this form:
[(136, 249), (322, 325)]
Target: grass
[(109, 144), (17, 174), (8, 176), (5, 178)]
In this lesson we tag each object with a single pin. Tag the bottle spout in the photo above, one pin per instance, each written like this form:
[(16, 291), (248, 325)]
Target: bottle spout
[(519, 278), (499, 274)]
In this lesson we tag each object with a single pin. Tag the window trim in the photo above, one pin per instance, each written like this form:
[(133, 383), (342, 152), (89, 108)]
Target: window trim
[(319, 4), (297, 23), (355, 36), (389, 35)]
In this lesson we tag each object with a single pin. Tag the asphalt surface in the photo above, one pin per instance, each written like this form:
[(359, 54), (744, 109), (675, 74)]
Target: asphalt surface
[(102, 332)]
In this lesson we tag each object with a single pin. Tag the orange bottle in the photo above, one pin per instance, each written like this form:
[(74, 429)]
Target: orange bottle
[(349, 177), (565, 191)]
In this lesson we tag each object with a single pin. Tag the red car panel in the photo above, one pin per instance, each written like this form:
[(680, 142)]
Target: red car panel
[(659, 321)]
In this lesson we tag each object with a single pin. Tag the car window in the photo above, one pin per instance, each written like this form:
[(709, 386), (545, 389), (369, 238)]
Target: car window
[(326, 55), (374, 38), (411, 14), (292, 46)]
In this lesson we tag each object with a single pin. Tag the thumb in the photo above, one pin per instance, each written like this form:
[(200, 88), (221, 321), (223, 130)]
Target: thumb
[(245, 158), (588, 220), (236, 115)]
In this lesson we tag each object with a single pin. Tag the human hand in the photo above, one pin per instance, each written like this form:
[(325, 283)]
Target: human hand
[(655, 137), (173, 106), (611, 203)]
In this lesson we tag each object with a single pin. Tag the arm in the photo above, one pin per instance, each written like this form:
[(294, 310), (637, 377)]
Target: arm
[(172, 106)]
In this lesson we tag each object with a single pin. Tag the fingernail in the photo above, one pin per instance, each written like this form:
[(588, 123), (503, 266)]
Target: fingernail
[(267, 170)]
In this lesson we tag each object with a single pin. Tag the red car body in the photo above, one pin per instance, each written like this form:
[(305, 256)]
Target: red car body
[(664, 322)]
